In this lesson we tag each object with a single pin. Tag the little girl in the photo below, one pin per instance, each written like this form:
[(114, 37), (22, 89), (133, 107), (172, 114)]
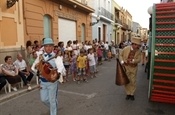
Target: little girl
[(66, 61), (99, 54), (59, 54), (73, 66)]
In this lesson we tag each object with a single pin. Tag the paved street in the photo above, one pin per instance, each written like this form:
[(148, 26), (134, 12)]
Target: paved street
[(100, 96)]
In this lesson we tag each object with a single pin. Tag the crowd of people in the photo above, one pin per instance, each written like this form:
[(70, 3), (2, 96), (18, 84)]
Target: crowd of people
[(80, 61), (74, 61), (77, 57)]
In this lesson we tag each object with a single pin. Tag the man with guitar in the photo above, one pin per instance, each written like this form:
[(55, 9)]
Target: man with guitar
[(50, 68)]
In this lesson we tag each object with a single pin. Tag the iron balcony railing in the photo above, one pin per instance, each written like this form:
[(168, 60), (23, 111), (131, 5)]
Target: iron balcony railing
[(106, 13)]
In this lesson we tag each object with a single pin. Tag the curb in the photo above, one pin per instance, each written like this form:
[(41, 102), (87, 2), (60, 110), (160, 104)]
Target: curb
[(11, 95)]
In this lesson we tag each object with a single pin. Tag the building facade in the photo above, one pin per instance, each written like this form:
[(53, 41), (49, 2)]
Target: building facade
[(25, 20), (11, 28), (136, 29), (117, 22), (123, 24), (102, 31), (11, 25), (128, 25), (61, 20), (144, 34)]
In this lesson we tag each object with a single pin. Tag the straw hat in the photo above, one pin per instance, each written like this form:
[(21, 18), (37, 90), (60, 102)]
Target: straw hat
[(48, 41), (136, 40)]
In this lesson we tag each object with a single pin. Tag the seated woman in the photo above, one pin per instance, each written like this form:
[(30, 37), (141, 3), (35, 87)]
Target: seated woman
[(10, 72), (2, 79)]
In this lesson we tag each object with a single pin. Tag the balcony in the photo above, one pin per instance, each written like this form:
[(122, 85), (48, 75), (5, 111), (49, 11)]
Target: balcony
[(118, 21), (125, 26), (129, 28), (78, 4), (106, 13)]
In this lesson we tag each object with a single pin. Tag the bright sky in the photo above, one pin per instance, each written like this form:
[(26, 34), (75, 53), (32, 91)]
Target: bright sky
[(138, 10)]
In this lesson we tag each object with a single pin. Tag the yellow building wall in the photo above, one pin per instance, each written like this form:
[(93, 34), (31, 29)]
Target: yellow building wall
[(11, 25), (116, 31), (34, 10)]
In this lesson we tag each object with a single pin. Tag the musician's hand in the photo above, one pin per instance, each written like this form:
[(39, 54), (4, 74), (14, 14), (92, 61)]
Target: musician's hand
[(36, 66), (54, 76), (27, 73), (128, 61)]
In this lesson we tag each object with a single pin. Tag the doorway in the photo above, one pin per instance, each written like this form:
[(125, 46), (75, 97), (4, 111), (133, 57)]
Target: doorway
[(104, 33), (118, 39), (99, 34), (83, 33)]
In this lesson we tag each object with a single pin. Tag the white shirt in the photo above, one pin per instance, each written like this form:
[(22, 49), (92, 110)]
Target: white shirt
[(106, 46), (20, 64), (91, 59)]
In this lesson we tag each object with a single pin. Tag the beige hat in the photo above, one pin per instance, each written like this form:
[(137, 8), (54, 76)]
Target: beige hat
[(136, 40)]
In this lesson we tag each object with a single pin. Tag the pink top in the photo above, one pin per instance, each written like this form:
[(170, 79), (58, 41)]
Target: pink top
[(99, 52)]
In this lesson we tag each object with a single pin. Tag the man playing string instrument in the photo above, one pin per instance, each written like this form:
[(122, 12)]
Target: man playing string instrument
[(49, 88)]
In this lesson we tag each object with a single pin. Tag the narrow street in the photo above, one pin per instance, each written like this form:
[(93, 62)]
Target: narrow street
[(100, 96)]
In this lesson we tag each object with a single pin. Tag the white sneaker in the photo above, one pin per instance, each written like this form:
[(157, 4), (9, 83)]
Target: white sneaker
[(29, 88), (14, 89)]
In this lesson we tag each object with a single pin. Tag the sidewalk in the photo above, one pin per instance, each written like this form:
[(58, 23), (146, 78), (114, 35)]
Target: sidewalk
[(6, 96)]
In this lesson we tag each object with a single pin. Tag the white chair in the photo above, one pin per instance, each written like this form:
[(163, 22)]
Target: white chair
[(5, 88)]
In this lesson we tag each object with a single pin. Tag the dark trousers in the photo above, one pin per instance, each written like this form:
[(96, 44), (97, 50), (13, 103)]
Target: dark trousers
[(2, 81), (25, 78)]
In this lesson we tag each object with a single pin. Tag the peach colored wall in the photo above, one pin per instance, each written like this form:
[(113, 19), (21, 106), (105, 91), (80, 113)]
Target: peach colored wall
[(34, 10), (11, 25), (11, 30)]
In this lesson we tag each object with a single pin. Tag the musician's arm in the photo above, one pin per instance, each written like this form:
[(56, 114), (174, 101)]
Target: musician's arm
[(59, 65), (121, 56), (33, 68)]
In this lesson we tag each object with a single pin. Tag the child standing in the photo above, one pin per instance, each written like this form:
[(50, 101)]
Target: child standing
[(66, 61), (109, 55), (99, 54), (73, 66), (91, 59), (60, 54), (81, 61)]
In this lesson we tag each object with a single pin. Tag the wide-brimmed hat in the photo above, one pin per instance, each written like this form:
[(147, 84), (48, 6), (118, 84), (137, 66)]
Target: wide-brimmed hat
[(48, 41), (136, 40)]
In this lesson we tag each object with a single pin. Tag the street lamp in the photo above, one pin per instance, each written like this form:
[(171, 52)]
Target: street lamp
[(93, 23), (150, 11)]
